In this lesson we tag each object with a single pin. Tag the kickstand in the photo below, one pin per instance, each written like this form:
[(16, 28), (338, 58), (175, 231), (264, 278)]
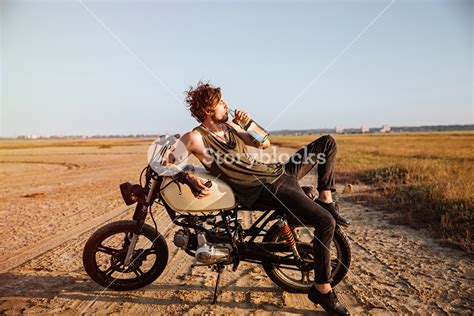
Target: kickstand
[(218, 268)]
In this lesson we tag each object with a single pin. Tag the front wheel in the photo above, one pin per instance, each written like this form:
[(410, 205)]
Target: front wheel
[(105, 251), (299, 279)]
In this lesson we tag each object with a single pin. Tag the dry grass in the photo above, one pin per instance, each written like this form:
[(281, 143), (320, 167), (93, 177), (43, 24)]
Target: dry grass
[(426, 177), (102, 143)]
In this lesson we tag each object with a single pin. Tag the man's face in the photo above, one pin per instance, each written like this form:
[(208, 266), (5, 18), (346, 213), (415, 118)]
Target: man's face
[(219, 112)]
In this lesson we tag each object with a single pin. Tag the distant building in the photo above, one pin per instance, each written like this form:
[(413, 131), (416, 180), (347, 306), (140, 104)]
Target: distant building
[(364, 129), (339, 129), (27, 137), (385, 129)]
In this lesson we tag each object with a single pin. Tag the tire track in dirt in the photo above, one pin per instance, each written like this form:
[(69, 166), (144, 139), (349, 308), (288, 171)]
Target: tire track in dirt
[(71, 179), (55, 200), (67, 165), (28, 253)]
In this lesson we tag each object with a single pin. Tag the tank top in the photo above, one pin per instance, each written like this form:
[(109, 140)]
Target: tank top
[(232, 162)]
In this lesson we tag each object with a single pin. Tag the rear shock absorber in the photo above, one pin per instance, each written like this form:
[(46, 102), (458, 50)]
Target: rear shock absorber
[(288, 236)]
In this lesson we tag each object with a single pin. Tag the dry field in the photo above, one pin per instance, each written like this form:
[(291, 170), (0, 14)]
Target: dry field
[(55, 193), (426, 178)]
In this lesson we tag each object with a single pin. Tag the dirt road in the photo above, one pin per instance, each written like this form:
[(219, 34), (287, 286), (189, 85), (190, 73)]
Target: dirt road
[(52, 199)]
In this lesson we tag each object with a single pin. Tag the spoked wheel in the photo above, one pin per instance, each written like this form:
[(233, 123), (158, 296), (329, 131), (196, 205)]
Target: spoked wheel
[(298, 279), (105, 252)]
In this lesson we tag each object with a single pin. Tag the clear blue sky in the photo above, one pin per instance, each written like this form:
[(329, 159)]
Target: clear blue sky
[(63, 73)]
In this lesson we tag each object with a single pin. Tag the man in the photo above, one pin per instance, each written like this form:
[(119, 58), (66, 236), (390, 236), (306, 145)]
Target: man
[(273, 184)]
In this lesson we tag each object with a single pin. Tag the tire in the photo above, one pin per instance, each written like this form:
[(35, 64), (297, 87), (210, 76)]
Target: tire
[(340, 260), (116, 276)]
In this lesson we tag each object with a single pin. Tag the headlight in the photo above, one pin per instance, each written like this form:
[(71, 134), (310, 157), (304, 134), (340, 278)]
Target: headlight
[(131, 193)]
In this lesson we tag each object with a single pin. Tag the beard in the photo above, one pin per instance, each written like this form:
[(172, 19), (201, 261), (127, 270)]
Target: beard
[(221, 119)]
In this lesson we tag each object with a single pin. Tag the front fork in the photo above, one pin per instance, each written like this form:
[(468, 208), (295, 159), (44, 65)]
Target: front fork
[(139, 216)]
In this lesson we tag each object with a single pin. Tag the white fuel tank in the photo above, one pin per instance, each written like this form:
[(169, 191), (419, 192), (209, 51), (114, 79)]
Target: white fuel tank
[(221, 196)]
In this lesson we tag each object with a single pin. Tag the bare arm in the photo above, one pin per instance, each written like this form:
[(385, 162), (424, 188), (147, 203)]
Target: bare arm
[(248, 140), (191, 143)]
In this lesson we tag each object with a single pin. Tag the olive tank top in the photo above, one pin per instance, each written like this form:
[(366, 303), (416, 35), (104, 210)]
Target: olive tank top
[(233, 164)]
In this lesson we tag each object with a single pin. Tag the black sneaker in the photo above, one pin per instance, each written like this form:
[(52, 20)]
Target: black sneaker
[(333, 208), (328, 301)]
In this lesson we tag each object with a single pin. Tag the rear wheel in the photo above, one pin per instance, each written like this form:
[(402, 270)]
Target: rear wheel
[(105, 251), (299, 279)]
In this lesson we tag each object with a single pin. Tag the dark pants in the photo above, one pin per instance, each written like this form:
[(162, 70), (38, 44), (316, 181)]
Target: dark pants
[(287, 196)]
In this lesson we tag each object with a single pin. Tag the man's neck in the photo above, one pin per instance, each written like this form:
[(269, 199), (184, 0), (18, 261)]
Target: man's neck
[(213, 126)]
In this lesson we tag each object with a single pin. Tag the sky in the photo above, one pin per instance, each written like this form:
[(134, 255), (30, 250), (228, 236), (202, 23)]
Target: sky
[(71, 67)]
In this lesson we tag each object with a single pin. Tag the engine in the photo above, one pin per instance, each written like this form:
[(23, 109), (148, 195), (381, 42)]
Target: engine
[(181, 239), (206, 252), (211, 253)]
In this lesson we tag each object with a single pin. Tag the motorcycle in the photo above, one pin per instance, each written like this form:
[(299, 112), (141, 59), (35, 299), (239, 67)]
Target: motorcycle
[(130, 254)]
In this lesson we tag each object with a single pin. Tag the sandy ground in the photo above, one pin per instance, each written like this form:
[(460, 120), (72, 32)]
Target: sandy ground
[(53, 199)]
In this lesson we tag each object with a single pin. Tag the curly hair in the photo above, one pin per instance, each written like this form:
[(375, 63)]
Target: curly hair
[(202, 98)]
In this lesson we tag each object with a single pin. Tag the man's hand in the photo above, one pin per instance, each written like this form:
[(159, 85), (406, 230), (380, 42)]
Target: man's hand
[(242, 117), (200, 183)]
